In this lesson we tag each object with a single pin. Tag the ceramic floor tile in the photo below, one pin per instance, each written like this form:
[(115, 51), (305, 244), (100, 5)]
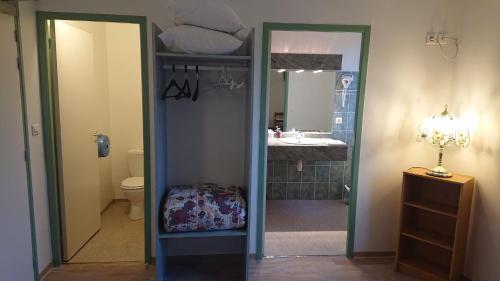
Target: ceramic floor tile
[(120, 239)]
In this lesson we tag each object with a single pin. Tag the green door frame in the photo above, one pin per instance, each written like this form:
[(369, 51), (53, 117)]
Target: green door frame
[(363, 65), (13, 9), (47, 99)]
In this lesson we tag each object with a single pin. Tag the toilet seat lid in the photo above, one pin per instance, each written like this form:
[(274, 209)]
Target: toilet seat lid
[(133, 183)]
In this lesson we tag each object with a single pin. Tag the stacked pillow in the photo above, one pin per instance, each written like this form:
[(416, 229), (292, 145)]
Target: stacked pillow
[(204, 27)]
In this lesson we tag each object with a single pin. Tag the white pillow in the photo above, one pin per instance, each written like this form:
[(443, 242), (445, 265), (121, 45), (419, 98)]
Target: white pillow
[(195, 40), (242, 34), (210, 14)]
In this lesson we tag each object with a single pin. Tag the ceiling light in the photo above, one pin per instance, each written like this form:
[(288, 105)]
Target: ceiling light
[(281, 70), (299, 71), (318, 71)]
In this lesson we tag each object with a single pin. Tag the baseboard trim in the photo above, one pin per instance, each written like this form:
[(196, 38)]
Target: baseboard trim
[(464, 278), (44, 272), (111, 202), (387, 254), (107, 207)]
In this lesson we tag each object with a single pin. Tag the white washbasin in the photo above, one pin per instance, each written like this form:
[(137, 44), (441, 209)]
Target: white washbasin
[(303, 141)]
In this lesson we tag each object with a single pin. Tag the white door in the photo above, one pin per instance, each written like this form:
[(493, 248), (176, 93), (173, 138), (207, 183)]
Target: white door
[(15, 246), (77, 119)]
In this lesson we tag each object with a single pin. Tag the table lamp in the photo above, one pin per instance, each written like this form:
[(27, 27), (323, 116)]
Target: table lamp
[(441, 130)]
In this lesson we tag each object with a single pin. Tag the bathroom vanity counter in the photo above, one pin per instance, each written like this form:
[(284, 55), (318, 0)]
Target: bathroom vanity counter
[(314, 149)]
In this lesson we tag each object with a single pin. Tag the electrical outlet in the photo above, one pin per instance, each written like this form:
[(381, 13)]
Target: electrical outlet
[(441, 38), (338, 120), (431, 38)]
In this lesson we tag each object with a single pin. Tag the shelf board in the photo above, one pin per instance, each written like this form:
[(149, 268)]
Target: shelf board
[(433, 207), (201, 234), (435, 239), (177, 57), (425, 267), (454, 179)]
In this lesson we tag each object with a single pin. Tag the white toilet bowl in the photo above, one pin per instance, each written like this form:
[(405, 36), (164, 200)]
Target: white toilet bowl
[(133, 188)]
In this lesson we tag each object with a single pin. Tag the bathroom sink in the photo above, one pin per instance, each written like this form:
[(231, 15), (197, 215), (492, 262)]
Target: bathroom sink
[(302, 141)]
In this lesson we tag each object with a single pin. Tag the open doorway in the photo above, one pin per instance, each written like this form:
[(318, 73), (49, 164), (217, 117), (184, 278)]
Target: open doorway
[(313, 80), (98, 140)]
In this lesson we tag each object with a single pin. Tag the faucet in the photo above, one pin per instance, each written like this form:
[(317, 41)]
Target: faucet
[(299, 134)]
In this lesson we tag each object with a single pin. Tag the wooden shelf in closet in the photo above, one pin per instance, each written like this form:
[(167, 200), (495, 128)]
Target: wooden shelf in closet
[(201, 234), (200, 59), (434, 225)]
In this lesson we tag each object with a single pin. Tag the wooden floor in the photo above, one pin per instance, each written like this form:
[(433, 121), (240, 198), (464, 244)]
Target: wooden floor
[(277, 269)]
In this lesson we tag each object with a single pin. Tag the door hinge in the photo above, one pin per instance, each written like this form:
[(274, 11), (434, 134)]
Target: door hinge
[(49, 42), (16, 36), (26, 156), (18, 62)]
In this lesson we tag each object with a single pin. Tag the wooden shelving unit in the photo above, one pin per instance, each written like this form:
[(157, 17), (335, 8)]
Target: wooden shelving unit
[(434, 225)]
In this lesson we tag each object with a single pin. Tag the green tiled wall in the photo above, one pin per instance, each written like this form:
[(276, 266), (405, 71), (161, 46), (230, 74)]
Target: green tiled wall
[(318, 180)]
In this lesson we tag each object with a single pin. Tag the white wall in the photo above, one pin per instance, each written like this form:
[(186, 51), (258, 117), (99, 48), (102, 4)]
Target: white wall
[(125, 96), (16, 241), (401, 89), (346, 44), (276, 95), (32, 91), (310, 101), (476, 97)]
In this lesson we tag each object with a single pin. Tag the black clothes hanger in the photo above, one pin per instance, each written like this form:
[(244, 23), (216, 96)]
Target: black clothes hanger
[(197, 91), (186, 90), (172, 83)]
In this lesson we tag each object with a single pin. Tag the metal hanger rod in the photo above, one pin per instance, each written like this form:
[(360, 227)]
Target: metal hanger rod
[(218, 68)]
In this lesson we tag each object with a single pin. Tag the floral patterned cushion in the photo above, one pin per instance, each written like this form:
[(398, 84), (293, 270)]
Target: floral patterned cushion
[(204, 207)]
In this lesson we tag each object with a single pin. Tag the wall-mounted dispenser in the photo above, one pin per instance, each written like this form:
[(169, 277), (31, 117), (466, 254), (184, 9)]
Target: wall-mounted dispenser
[(103, 145), (346, 80)]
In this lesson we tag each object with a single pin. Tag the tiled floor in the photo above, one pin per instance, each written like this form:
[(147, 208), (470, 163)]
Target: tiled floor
[(305, 227), (277, 269), (310, 243), (119, 240)]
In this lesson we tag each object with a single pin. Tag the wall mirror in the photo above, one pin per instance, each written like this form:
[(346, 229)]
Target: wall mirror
[(313, 80)]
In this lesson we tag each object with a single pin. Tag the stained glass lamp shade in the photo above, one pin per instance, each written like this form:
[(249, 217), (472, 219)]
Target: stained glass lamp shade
[(442, 130)]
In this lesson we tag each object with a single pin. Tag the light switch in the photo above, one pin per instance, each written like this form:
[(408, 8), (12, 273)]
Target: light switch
[(338, 120), (35, 129)]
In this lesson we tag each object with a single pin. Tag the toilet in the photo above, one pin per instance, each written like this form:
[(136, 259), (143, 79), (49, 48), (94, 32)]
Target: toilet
[(133, 186)]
